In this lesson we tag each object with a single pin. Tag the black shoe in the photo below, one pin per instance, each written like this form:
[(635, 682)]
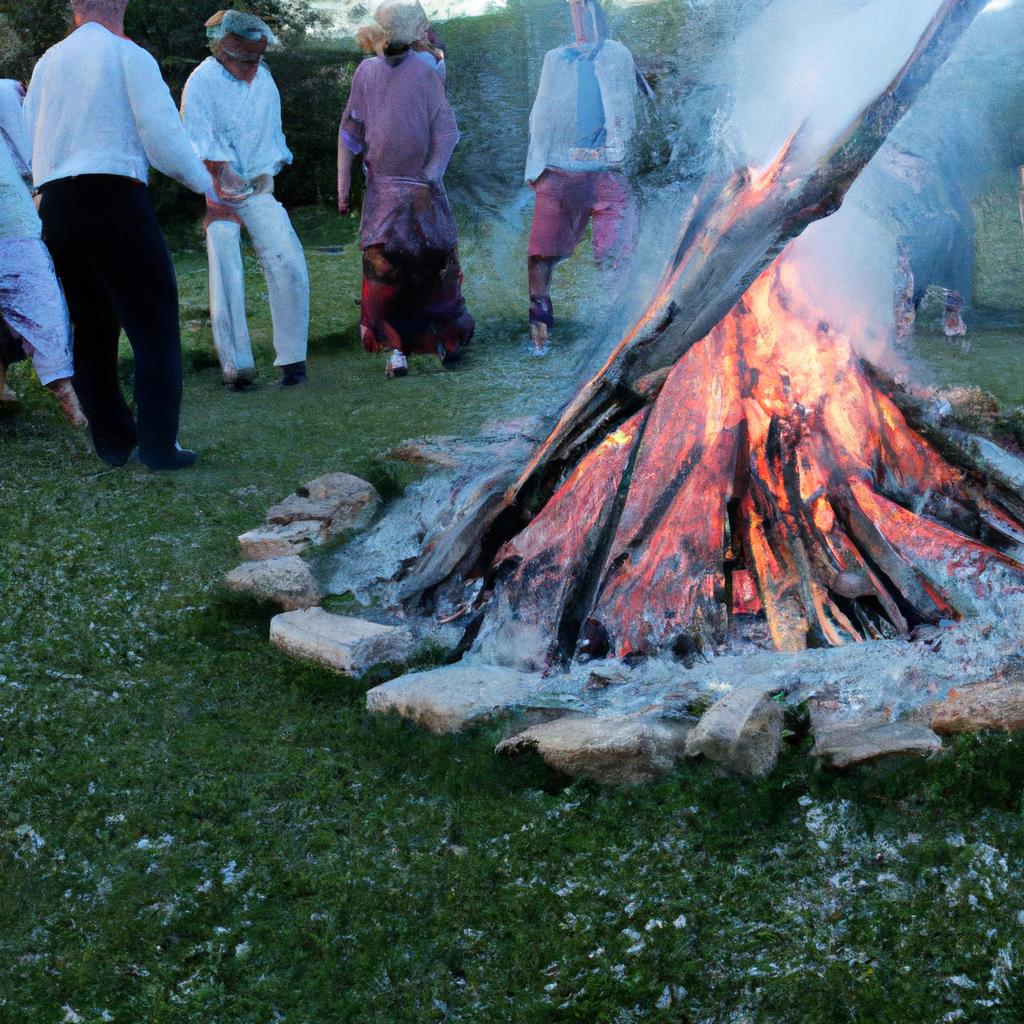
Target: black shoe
[(293, 374), (242, 380), (177, 458), (116, 458)]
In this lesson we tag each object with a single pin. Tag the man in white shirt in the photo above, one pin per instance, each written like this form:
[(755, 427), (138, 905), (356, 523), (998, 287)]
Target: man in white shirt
[(99, 115), (33, 317), (581, 129), (232, 113)]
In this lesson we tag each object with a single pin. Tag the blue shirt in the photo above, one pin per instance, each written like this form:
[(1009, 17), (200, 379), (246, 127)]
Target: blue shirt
[(590, 117)]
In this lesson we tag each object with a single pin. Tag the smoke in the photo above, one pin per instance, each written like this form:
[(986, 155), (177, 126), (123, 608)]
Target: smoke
[(815, 67), (733, 80), (917, 194), (772, 67)]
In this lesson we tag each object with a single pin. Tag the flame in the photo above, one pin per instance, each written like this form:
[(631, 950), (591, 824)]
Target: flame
[(771, 473)]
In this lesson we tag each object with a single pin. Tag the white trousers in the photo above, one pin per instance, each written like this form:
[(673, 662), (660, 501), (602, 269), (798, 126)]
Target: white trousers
[(284, 267)]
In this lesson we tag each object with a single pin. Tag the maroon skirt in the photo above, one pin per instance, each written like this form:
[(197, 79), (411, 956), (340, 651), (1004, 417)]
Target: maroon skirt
[(414, 303)]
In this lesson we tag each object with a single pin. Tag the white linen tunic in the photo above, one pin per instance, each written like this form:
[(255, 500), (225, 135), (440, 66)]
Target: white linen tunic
[(97, 104), (553, 118), (31, 302), (18, 217), (239, 123), (235, 122)]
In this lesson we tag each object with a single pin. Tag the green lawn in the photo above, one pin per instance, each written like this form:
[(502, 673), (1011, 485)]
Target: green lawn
[(194, 828)]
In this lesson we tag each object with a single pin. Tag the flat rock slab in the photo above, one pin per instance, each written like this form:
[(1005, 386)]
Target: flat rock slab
[(848, 743), (613, 750), (742, 731), (449, 699), (338, 642), (345, 486), (297, 507), (280, 540), (995, 705), (342, 501), (286, 582)]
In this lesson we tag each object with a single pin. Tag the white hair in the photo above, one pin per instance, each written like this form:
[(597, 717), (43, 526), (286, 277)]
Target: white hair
[(403, 21)]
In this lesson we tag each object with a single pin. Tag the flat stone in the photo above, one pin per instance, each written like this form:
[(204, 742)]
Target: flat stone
[(351, 488), (356, 500), (998, 704), (449, 699), (346, 645), (281, 539), (297, 507), (612, 750), (741, 731), (287, 582), (846, 743)]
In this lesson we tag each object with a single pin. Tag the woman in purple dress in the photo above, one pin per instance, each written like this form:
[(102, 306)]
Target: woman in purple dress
[(400, 122)]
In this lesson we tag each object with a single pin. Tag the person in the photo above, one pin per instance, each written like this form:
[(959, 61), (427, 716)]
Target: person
[(232, 113), (13, 127), (581, 127), (99, 116), (399, 120), (32, 309), (428, 47), (371, 39)]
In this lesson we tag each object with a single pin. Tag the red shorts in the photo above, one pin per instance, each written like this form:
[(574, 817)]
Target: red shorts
[(567, 200)]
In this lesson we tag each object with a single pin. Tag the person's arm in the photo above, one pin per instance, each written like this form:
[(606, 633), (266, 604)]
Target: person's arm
[(351, 136), (444, 132), (30, 108), (540, 122), (346, 158), (163, 136), (617, 81), (284, 156)]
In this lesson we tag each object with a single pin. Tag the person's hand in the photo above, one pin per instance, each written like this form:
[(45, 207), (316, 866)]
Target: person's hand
[(230, 185), (344, 205)]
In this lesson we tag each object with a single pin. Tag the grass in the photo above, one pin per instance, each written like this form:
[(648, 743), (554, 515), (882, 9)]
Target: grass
[(194, 828)]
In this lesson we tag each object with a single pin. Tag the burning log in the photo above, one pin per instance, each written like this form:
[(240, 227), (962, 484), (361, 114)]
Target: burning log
[(769, 451)]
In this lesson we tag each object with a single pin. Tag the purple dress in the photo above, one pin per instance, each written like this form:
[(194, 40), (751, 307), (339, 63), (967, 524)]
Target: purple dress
[(399, 119)]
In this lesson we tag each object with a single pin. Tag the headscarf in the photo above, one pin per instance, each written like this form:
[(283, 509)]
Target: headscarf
[(241, 24)]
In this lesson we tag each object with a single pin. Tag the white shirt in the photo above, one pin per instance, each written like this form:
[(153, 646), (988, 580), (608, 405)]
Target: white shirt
[(234, 121), (97, 104), (553, 118)]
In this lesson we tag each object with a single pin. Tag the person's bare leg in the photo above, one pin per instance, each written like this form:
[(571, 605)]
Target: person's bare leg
[(540, 270), (64, 392)]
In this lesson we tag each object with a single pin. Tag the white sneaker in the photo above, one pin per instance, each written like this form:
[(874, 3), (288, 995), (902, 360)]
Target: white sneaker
[(398, 365)]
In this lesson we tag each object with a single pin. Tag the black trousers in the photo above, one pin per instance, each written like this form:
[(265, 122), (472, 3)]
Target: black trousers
[(112, 259)]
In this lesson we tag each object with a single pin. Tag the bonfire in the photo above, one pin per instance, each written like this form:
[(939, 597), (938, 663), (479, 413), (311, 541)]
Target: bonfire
[(736, 478)]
